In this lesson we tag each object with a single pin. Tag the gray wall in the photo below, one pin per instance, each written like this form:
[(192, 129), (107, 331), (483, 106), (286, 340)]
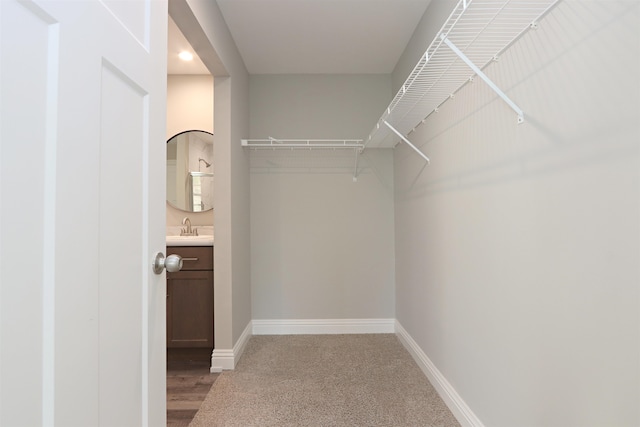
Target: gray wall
[(202, 23), (518, 248), (436, 14), (321, 245)]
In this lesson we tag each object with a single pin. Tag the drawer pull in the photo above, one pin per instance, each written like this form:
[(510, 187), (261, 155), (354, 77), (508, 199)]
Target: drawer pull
[(190, 259)]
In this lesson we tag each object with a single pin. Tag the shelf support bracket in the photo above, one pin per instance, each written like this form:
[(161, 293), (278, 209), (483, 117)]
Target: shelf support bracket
[(484, 77), (407, 141)]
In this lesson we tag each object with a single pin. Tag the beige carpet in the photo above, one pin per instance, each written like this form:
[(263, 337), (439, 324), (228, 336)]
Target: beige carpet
[(324, 380)]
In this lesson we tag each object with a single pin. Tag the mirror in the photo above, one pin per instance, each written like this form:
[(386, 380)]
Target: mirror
[(190, 171)]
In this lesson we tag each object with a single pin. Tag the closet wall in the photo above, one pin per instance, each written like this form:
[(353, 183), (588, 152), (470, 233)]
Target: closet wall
[(321, 244), (517, 249)]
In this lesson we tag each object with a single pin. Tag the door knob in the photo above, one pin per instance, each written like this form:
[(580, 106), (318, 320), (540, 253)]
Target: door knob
[(172, 263)]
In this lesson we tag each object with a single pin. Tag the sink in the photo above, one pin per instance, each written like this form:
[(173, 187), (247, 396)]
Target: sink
[(204, 240), (205, 237)]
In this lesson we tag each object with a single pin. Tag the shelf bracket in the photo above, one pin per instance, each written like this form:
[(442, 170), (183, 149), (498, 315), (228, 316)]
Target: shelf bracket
[(484, 77), (407, 141)]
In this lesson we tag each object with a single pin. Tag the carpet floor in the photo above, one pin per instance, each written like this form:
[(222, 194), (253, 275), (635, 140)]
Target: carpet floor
[(324, 380)]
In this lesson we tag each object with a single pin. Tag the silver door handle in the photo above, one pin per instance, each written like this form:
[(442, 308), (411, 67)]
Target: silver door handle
[(172, 263), (190, 259)]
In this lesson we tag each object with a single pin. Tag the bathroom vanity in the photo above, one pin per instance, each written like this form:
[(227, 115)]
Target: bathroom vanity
[(190, 175), (190, 304)]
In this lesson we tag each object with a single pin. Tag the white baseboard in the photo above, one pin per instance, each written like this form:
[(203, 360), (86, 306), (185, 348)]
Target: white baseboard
[(458, 407), (322, 326), (240, 345), (222, 360), (225, 359)]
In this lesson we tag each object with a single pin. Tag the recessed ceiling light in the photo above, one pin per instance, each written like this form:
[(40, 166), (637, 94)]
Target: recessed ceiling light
[(185, 56)]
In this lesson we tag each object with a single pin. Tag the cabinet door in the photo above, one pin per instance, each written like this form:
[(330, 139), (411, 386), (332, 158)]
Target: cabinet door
[(190, 309)]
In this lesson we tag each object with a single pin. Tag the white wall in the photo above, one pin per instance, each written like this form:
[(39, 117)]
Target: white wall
[(189, 103), (189, 107), (518, 248), (321, 245)]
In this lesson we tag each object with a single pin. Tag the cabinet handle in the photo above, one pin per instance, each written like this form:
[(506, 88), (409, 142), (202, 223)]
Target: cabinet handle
[(190, 259)]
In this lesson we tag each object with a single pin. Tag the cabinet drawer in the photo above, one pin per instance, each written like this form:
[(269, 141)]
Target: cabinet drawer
[(197, 257)]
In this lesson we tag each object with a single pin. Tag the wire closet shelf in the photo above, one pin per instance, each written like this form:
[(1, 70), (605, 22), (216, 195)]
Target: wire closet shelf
[(291, 144), (355, 145), (476, 33)]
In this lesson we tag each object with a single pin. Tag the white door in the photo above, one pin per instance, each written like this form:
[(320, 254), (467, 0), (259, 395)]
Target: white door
[(82, 212)]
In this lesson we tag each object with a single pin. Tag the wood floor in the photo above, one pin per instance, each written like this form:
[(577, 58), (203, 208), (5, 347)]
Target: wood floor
[(187, 385)]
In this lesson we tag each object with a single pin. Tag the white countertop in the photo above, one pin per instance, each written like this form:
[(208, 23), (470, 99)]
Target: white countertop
[(205, 240), (205, 237)]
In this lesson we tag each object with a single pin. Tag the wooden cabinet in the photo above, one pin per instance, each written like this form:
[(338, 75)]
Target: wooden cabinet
[(190, 299)]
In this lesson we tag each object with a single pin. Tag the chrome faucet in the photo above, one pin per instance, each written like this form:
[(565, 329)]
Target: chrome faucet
[(188, 231)]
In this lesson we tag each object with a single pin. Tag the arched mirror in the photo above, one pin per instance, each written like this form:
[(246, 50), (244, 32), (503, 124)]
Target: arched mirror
[(190, 171)]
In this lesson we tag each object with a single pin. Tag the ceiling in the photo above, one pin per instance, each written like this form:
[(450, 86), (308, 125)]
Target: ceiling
[(177, 43), (315, 36)]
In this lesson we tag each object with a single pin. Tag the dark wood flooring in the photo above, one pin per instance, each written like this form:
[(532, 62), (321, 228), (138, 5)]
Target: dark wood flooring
[(187, 385)]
